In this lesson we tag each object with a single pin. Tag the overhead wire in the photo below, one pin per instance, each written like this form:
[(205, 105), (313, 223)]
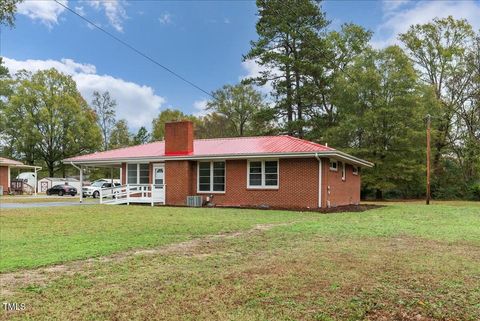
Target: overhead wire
[(139, 52)]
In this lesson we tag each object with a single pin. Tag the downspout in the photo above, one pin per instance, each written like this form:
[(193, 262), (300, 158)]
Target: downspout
[(36, 181), (319, 180), (81, 180)]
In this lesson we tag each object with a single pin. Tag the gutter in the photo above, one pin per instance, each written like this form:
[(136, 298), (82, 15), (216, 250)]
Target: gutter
[(338, 154)]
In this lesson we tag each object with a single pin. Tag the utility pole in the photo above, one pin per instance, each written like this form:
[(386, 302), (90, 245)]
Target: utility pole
[(428, 158)]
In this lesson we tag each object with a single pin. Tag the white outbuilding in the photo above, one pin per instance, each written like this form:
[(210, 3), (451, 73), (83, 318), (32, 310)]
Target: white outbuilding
[(48, 182)]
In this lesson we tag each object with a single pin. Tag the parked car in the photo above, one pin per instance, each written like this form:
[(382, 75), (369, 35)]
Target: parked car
[(61, 190), (106, 180), (94, 189)]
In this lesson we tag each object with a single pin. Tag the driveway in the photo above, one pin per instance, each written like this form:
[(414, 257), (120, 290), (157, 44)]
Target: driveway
[(43, 204)]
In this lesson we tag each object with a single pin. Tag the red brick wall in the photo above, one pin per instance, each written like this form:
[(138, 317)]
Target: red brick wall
[(178, 138), (337, 191), (298, 185), (124, 173), (178, 177), (4, 179)]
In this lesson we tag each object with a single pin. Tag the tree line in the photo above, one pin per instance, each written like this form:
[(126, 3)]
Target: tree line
[(328, 86)]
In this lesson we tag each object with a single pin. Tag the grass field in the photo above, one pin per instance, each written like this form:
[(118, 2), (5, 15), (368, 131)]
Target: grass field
[(404, 261)]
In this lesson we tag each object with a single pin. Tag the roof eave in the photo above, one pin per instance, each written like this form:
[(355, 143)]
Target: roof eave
[(330, 153)]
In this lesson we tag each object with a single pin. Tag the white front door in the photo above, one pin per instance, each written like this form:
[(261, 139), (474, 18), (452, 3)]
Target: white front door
[(158, 188)]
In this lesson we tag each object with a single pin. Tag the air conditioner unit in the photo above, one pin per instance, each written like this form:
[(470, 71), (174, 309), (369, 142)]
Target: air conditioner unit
[(194, 201)]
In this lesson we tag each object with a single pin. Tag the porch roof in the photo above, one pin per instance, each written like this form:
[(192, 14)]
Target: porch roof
[(216, 148), (13, 163), (7, 162)]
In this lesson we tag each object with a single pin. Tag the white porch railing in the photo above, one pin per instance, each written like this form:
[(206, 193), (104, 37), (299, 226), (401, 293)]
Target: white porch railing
[(133, 193)]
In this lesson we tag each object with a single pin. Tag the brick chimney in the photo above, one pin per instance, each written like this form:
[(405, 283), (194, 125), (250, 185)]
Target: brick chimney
[(179, 138)]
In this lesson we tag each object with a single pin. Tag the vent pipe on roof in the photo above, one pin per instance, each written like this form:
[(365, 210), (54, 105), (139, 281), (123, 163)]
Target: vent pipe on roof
[(179, 138)]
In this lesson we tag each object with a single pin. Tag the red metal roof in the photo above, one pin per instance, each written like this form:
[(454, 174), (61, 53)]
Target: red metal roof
[(6, 161), (213, 147)]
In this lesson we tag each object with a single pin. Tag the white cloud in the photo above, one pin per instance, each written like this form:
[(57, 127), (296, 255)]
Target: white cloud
[(94, 3), (253, 70), (80, 11), (200, 107), (399, 17), (226, 20), (67, 66), (47, 12), (390, 6), (165, 18), (138, 104), (114, 10), (252, 67)]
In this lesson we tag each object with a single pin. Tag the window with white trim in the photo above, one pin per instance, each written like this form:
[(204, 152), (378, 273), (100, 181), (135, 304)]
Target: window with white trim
[(211, 177), (355, 170), (137, 173), (262, 174), (132, 173), (344, 171), (333, 165)]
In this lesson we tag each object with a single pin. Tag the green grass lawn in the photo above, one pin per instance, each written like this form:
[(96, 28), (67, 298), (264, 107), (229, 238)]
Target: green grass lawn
[(400, 262), (43, 236)]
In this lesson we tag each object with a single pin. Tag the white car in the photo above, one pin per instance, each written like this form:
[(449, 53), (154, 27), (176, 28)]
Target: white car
[(94, 189)]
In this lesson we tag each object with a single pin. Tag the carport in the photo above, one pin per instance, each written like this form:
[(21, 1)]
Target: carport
[(82, 167)]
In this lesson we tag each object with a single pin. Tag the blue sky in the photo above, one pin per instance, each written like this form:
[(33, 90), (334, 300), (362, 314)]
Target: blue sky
[(202, 40)]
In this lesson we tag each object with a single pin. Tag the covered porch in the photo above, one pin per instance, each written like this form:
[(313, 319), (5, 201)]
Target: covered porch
[(140, 183), (7, 184)]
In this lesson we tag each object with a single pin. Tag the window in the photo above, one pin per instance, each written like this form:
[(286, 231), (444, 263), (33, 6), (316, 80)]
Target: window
[(211, 177), (218, 176), (271, 173), (132, 174), (255, 175), (263, 174), (344, 172), (333, 165), (143, 169), (137, 173), (355, 170)]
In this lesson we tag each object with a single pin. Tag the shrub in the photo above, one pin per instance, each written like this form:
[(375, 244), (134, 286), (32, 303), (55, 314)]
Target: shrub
[(474, 190)]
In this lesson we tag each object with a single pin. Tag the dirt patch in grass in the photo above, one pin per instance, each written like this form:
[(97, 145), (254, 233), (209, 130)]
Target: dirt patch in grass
[(14, 280)]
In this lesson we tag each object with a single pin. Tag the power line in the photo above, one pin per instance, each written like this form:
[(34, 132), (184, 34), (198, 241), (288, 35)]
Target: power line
[(135, 49)]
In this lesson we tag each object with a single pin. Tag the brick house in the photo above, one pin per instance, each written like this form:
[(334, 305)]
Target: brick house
[(5, 177), (276, 171)]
